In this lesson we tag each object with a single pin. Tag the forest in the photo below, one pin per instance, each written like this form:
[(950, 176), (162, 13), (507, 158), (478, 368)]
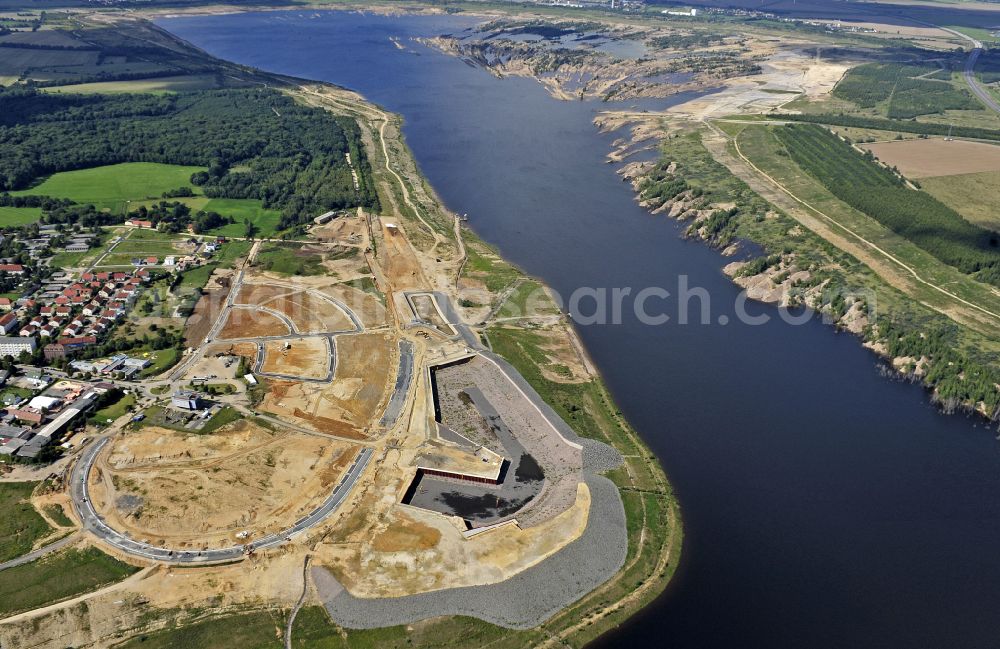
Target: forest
[(909, 90), (880, 193), (255, 143)]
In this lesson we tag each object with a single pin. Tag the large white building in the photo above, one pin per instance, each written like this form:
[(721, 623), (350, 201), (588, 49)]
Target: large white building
[(12, 346), (186, 399)]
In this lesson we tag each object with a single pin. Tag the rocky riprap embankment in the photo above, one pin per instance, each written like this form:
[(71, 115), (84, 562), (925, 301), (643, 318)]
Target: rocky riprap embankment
[(526, 599)]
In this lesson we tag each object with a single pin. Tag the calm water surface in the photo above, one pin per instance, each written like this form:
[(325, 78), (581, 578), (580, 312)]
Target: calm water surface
[(824, 506)]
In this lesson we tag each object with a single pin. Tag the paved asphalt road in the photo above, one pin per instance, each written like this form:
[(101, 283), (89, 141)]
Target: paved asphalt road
[(93, 522), (403, 376), (970, 78), (970, 67), (41, 552)]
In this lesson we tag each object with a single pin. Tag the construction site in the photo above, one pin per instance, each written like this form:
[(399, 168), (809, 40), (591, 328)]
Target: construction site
[(334, 403), (350, 414)]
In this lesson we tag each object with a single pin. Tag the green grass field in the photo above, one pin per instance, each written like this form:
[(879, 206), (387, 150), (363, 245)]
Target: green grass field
[(58, 577), (20, 526), (289, 259), (56, 512), (975, 196), (257, 630), (197, 277), (156, 86), (225, 416), (13, 216), (71, 259), (115, 410), (240, 209), (139, 245), (113, 186), (161, 360)]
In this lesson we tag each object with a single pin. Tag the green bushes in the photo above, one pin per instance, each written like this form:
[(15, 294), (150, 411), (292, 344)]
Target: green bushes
[(956, 379), (876, 191)]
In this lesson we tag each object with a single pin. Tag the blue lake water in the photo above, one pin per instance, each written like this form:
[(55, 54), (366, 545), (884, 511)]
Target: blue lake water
[(824, 505)]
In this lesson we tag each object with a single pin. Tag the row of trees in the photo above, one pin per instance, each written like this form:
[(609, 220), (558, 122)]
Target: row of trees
[(876, 191), (882, 124)]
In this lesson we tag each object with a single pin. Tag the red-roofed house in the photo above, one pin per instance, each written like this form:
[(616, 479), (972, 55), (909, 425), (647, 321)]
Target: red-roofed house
[(8, 323), (136, 223), (12, 269), (5, 304), (71, 342)]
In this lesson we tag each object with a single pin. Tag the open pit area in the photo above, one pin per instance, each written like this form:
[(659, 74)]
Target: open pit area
[(309, 358), (541, 470), (401, 264), (185, 490), (346, 406)]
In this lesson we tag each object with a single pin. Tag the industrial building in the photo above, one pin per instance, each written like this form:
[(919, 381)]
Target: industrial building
[(186, 400)]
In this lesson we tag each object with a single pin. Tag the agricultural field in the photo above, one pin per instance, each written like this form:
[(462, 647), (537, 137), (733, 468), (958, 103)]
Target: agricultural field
[(156, 85), (114, 186), (14, 216), (922, 158), (884, 196), (44, 64), (57, 577), (20, 526), (975, 196)]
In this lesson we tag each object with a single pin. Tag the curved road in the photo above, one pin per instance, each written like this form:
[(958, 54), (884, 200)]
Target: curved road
[(970, 67), (970, 78), (94, 523)]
